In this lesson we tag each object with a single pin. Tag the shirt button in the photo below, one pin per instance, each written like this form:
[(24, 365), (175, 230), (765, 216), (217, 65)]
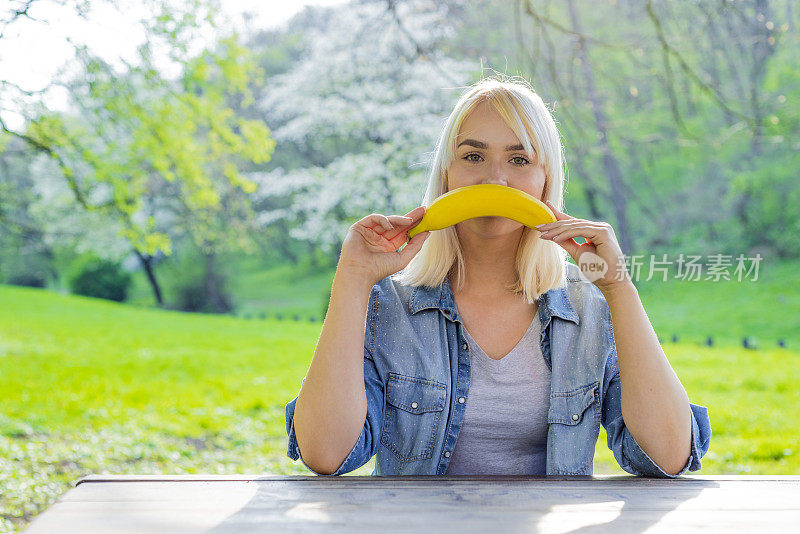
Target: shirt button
[(464, 346), (414, 405), (447, 454), (461, 400), (575, 417)]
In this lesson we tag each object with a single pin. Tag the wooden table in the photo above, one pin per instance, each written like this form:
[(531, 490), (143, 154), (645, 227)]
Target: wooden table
[(217, 504)]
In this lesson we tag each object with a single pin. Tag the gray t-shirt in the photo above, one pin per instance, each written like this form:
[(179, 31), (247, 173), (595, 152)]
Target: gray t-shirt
[(505, 419)]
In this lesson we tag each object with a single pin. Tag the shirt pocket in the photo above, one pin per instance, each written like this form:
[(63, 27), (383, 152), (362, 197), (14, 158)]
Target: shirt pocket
[(570, 408), (574, 424), (411, 417)]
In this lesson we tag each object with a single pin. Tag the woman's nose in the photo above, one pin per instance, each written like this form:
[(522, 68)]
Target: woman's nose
[(497, 174)]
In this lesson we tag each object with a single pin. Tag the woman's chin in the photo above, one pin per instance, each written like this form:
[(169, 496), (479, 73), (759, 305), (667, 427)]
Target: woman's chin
[(492, 226)]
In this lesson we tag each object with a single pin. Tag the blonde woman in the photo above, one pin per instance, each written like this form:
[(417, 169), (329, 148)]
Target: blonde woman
[(479, 349)]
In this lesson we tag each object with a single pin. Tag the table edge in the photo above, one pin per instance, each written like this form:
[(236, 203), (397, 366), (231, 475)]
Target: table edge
[(95, 478)]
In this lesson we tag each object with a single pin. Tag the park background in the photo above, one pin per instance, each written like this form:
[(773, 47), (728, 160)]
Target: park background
[(170, 220)]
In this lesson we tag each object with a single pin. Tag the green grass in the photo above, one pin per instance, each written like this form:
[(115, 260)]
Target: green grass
[(257, 291), (765, 310), (89, 386), (285, 289)]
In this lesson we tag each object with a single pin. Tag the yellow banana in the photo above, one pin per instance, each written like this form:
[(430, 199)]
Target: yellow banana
[(483, 200)]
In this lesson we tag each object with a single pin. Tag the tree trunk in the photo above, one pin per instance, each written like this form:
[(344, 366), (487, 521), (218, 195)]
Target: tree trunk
[(282, 243), (763, 47), (312, 256), (610, 163), (215, 293), (588, 187), (147, 265)]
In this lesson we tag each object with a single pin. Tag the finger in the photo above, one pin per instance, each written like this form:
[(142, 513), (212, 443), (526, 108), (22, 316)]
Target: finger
[(408, 220), (378, 229), (398, 235), (560, 215), (372, 236), (400, 220), (417, 212), (416, 216), (560, 226), (587, 232), (401, 226), (378, 222), (564, 223), (413, 247)]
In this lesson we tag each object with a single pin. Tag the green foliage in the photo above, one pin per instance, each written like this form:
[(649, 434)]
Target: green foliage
[(28, 280), (196, 294), (25, 259), (101, 279), (773, 209), (147, 149)]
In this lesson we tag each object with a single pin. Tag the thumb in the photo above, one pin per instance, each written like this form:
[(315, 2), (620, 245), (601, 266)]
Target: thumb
[(412, 247), (416, 212)]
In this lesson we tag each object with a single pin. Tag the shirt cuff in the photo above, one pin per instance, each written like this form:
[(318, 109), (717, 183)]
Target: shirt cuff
[(293, 450), (642, 464)]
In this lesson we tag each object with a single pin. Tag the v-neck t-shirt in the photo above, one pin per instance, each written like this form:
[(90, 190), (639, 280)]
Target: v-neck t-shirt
[(505, 420)]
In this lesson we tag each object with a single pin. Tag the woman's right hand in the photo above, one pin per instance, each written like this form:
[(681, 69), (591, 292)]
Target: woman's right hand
[(370, 248)]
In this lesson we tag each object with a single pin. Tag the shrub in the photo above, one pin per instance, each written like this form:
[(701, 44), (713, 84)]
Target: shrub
[(194, 296), (101, 279), (28, 280)]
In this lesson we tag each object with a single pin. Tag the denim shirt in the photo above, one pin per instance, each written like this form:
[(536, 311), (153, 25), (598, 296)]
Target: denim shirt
[(416, 377)]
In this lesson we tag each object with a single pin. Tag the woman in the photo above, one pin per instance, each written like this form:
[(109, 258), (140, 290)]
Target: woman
[(484, 350)]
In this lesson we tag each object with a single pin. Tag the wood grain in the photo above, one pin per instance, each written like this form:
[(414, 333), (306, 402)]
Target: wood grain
[(225, 503)]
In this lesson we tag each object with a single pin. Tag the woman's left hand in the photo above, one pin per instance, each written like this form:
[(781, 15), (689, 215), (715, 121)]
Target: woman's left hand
[(601, 259)]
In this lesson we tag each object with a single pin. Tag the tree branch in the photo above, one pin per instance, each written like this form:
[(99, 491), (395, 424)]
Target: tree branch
[(669, 50)]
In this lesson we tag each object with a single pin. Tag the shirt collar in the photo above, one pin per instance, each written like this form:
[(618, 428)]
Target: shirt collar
[(554, 302)]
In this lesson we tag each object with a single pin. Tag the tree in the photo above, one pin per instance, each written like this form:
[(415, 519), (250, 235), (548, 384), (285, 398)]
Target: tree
[(361, 111), (161, 155), (665, 109)]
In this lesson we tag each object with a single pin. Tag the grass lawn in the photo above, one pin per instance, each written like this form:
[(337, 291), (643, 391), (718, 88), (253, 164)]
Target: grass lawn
[(90, 386), (257, 291), (764, 310)]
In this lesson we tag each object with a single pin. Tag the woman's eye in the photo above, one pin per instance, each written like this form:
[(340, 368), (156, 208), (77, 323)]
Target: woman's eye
[(518, 160)]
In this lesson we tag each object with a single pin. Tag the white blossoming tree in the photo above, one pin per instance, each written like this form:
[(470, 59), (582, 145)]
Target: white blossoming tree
[(364, 108)]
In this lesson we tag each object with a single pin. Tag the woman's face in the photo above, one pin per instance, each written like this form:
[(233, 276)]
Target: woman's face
[(482, 158)]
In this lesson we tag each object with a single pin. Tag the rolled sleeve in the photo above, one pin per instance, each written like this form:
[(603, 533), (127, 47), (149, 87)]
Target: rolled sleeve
[(629, 454), (640, 463), (351, 462)]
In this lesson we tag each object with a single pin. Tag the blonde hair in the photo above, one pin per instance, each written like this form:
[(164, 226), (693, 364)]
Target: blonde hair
[(540, 263)]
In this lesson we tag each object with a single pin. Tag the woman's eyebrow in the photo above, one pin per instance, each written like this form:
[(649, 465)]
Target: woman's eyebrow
[(481, 144)]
